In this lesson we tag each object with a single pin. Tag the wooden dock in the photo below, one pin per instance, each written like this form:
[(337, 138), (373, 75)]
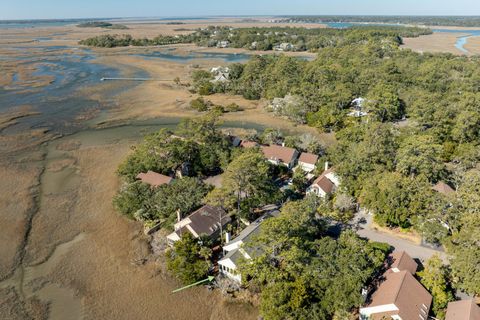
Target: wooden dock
[(133, 79)]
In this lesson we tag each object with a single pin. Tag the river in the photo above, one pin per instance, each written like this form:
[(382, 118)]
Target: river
[(460, 43)]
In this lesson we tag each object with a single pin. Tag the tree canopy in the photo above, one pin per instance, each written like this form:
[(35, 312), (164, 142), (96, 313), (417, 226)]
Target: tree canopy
[(303, 274)]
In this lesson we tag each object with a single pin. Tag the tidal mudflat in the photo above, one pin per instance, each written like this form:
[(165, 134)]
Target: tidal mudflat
[(64, 252), (455, 40)]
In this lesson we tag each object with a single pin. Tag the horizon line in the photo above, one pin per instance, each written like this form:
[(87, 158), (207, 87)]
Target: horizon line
[(241, 16)]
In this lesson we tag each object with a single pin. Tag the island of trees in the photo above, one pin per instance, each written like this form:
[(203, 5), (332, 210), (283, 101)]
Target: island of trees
[(461, 21), (102, 24), (293, 39)]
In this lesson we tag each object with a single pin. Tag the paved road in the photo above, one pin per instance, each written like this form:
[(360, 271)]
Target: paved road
[(363, 224)]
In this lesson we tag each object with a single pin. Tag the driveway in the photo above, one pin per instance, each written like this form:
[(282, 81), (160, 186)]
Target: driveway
[(362, 223)]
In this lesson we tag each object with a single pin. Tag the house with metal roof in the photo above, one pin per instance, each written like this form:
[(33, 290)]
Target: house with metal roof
[(236, 250)]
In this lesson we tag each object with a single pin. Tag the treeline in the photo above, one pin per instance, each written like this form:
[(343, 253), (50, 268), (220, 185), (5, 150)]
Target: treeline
[(422, 128), (101, 24), (298, 39), (302, 39), (111, 41), (461, 21)]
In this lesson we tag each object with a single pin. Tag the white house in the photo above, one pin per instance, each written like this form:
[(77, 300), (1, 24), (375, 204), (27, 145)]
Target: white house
[(307, 161), (358, 108), (325, 184), (285, 46), (223, 44), (222, 77), (235, 250), (221, 74)]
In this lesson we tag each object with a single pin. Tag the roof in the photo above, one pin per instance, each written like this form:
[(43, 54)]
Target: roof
[(245, 236), (323, 182), (463, 310), (405, 292), (403, 262), (443, 188), (206, 220), (248, 144), (154, 179), (234, 256), (309, 158), (248, 232), (279, 153)]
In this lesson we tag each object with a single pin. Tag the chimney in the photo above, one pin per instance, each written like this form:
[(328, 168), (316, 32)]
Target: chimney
[(227, 237), (179, 216), (326, 165), (283, 144)]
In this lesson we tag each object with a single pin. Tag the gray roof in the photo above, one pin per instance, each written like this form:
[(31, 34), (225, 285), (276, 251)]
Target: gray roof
[(250, 230), (206, 220), (234, 255), (246, 236)]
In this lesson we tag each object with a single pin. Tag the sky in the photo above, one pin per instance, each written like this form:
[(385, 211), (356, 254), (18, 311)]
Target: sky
[(61, 9)]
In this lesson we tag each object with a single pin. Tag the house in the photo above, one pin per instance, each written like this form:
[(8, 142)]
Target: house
[(205, 221), (235, 250), (399, 296), (285, 46), (223, 44), (219, 69), (222, 77), (325, 184), (221, 74), (443, 188), (280, 155), (463, 310), (154, 179), (248, 144), (357, 107), (307, 161)]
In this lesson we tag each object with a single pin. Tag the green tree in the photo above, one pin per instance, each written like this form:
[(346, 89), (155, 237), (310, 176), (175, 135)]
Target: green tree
[(133, 199), (188, 260), (435, 278), (421, 155), (384, 103), (467, 127), (395, 199), (465, 255), (303, 275), (247, 180), (182, 196)]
